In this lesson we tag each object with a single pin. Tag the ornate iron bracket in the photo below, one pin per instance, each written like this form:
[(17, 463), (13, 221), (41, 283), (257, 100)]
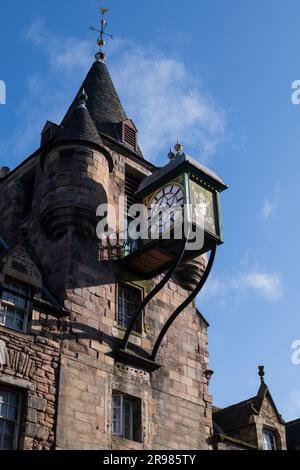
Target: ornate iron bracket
[(152, 294), (185, 304)]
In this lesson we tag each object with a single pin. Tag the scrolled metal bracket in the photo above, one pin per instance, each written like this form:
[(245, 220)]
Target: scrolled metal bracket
[(185, 304), (152, 294)]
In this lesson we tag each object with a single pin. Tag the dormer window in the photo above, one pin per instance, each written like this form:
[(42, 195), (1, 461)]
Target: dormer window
[(50, 130), (129, 134)]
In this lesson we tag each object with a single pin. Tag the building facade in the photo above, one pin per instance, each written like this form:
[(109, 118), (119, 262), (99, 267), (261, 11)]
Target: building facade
[(253, 424), (64, 309), (293, 434)]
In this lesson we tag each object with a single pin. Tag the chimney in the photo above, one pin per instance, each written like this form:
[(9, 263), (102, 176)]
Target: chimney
[(4, 172)]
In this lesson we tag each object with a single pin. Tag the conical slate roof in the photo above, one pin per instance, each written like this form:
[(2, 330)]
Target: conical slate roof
[(103, 104), (79, 126)]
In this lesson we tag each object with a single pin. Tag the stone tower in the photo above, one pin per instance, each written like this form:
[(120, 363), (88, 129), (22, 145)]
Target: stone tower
[(64, 310)]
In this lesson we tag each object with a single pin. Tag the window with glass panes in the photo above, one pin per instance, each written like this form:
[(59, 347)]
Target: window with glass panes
[(129, 299), (269, 440), (126, 416), (9, 419), (13, 306)]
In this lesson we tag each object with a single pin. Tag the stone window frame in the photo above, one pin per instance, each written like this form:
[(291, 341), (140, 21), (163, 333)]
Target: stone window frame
[(17, 423), (133, 287), (27, 392), (27, 311)]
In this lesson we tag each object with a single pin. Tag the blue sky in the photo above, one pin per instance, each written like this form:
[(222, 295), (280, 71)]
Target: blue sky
[(216, 75)]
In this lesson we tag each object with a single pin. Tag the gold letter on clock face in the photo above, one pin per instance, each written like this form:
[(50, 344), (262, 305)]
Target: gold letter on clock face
[(165, 209)]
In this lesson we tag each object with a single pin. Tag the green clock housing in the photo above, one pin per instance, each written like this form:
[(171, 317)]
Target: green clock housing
[(195, 191)]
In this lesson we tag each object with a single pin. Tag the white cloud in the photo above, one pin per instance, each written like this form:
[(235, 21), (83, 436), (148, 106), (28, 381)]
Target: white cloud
[(267, 209), (158, 93), (214, 287), (42, 103), (66, 54), (293, 409), (167, 104), (49, 94), (266, 285)]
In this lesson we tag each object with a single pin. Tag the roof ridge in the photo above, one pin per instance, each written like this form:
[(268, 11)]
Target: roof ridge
[(235, 405), (294, 421)]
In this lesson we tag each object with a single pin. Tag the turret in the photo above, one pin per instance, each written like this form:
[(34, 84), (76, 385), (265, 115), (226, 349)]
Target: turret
[(76, 170)]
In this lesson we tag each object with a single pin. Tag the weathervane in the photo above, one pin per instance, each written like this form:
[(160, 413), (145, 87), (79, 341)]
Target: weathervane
[(101, 41)]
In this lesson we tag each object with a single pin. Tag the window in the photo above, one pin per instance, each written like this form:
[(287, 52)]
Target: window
[(3, 243), (28, 184), (131, 245), (126, 417), (129, 299), (13, 307), (9, 419), (132, 182), (269, 440)]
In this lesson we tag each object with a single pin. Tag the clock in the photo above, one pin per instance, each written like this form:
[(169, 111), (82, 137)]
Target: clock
[(165, 209), (182, 204)]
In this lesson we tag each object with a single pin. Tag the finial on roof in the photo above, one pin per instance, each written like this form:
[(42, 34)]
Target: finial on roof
[(100, 56), (261, 373), (178, 147), (178, 151), (171, 155), (83, 97)]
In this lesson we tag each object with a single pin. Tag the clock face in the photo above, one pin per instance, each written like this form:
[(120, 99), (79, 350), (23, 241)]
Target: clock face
[(165, 209)]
